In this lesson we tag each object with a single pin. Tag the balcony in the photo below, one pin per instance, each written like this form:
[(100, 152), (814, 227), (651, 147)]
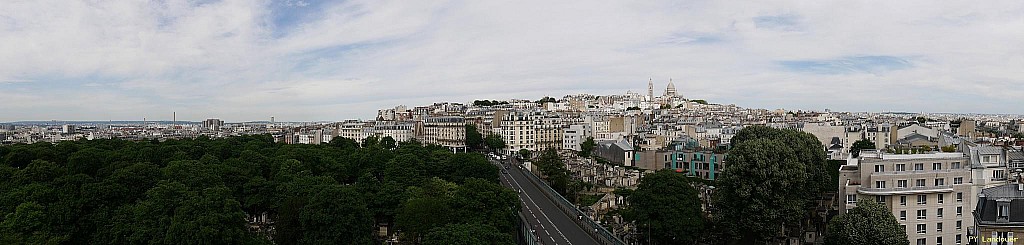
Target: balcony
[(906, 190), (910, 172)]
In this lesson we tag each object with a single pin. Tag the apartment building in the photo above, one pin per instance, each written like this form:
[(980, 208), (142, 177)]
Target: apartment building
[(355, 130), (399, 131), (999, 215), (445, 131), (930, 194), (549, 133), (573, 136), (517, 129)]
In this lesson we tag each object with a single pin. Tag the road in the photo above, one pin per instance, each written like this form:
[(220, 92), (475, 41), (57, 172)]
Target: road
[(550, 224)]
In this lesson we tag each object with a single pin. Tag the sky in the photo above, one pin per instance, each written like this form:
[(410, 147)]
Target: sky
[(305, 60)]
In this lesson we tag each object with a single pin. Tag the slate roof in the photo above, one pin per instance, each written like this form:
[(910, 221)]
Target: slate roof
[(985, 211), (914, 137), (990, 150)]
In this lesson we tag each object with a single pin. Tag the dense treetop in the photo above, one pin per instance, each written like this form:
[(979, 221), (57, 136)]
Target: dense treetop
[(869, 223), (202, 191)]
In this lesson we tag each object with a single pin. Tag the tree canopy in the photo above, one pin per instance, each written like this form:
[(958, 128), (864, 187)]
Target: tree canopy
[(546, 99), (474, 140), (587, 147), (869, 223), (204, 191), (862, 144), (666, 208), (494, 142), (489, 102), (771, 180)]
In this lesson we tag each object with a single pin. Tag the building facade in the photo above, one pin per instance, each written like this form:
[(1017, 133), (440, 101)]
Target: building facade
[(930, 194), (445, 131)]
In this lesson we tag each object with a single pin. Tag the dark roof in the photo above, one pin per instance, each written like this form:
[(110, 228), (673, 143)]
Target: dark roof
[(988, 203), (836, 140)]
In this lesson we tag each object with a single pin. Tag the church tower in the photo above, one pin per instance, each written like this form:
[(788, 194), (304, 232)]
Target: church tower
[(650, 89)]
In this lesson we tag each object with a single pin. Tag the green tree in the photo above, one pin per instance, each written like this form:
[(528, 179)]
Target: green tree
[(388, 143), (371, 141), (587, 147), (485, 202), (768, 173), (869, 223), (343, 143), (546, 100), (336, 215), (524, 154), (494, 142), (28, 225), (553, 167), (666, 208), (474, 140), (467, 234), (862, 144)]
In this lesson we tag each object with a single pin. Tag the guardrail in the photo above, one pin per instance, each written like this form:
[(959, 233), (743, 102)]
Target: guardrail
[(526, 236), (592, 228)]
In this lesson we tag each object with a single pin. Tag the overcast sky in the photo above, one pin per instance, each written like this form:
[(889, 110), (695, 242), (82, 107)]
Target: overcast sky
[(334, 60)]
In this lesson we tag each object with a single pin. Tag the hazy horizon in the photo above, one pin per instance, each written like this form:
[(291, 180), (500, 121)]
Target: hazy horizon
[(298, 60)]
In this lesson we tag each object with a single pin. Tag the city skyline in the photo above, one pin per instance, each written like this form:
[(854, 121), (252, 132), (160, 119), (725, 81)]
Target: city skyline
[(316, 61)]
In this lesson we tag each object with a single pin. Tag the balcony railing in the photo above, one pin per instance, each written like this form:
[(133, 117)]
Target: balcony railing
[(906, 190), (920, 172)]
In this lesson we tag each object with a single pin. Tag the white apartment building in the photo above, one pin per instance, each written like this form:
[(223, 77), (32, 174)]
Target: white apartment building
[(929, 194), (517, 129), (445, 131), (573, 136), (400, 131), (549, 133), (355, 130)]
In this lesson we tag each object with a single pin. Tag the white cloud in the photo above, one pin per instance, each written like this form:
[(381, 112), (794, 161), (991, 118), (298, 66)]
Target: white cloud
[(230, 59)]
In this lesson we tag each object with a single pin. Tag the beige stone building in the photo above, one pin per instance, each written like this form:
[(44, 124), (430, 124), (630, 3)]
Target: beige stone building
[(930, 194), (549, 133), (445, 131)]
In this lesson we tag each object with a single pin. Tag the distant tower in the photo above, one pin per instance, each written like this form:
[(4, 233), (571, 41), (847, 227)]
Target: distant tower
[(271, 120), (670, 91), (650, 89)]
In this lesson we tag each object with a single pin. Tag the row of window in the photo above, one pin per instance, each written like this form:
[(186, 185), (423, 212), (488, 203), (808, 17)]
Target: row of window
[(922, 214), (922, 199), (923, 228), (938, 240), (900, 167), (919, 182)]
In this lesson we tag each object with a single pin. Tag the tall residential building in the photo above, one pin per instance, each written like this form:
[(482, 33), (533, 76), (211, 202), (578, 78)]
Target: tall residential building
[(213, 124), (397, 130), (517, 129), (67, 129), (355, 130), (549, 133), (445, 131), (573, 136), (930, 194)]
